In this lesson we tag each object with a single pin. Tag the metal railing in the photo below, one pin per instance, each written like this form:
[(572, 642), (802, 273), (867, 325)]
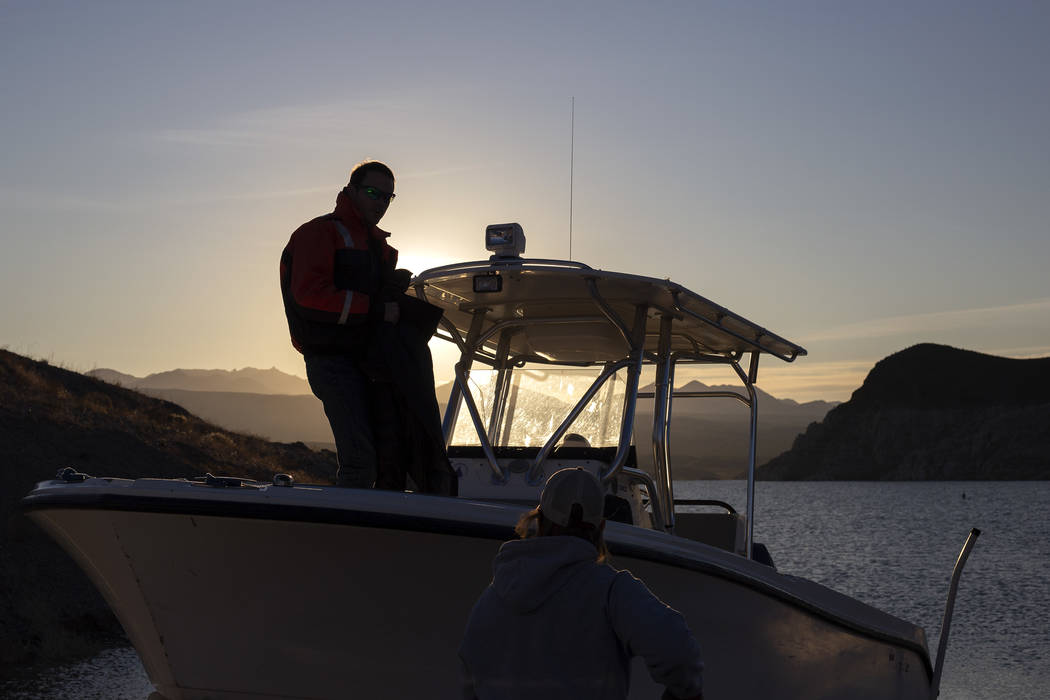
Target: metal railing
[(661, 489)]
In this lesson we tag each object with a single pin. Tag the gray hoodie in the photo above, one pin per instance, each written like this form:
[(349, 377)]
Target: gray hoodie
[(556, 624)]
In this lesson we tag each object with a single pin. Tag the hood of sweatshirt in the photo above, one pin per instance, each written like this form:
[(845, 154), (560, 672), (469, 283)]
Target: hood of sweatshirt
[(526, 573)]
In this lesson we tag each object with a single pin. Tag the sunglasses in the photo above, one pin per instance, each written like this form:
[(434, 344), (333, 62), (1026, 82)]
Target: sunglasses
[(375, 193)]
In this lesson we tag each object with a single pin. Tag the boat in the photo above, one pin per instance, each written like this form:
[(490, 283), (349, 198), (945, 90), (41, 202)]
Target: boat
[(231, 588)]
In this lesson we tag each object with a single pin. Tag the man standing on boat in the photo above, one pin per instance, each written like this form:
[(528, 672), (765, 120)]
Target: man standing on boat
[(364, 341), (557, 622)]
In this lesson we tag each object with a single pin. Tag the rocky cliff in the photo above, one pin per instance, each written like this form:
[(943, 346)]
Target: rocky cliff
[(932, 412)]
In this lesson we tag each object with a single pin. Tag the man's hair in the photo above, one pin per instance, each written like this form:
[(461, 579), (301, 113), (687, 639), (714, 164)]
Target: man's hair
[(369, 166)]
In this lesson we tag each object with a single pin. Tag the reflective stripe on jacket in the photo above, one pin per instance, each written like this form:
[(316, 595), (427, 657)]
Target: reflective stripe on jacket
[(332, 271)]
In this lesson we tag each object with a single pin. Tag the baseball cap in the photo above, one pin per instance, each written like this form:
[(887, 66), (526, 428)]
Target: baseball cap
[(568, 487)]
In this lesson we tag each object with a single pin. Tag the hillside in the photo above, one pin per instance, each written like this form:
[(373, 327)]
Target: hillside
[(248, 380), (932, 412), (280, 417), (52, 418)]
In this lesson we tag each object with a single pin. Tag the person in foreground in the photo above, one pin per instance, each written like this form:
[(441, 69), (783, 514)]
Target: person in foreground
[(558, 622), (365, 341)]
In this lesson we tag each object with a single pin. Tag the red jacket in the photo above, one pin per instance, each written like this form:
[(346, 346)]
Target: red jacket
[(332, 273)]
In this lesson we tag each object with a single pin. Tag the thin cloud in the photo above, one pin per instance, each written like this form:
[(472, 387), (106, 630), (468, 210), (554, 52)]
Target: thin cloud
[(54, 200), (937, 321), (51, 200), (290, 125), (250, 196), (440, 172), (810, 381), (803, 380), (210, 137), (1025, 353)]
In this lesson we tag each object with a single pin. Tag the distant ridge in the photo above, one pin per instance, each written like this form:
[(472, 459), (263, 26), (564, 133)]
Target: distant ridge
[(939, 376), (248, 380), (708, 436), (278, 417), (768, 404), (932, 412)]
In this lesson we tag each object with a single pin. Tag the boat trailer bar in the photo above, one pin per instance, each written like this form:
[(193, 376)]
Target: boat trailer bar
[(472, 409), (459, 387), (628, 336), (949, 606), (701, 394), (662, 421), (630, 399), (503, 365), (752, 449)]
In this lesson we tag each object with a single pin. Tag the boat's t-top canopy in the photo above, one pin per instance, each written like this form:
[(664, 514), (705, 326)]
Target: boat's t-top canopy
[(568, 313), (508, 312)]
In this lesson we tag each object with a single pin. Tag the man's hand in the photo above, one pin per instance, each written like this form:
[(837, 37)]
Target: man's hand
[(391, 312), (400, 279)]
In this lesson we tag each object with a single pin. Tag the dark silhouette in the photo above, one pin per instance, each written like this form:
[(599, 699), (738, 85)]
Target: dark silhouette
[(932, 412), (365, 341)]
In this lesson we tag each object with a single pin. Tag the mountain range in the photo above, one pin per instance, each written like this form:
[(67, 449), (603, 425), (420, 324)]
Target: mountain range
[(927, 412), (248, 380), (932, 412), (709, 437)]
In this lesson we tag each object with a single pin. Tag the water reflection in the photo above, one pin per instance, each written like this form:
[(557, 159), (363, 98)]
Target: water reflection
[(115, 674)]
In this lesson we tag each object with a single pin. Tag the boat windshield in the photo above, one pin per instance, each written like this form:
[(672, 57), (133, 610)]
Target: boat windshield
[(536, 400)]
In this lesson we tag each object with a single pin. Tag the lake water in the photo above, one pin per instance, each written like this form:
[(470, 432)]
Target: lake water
[(891, 545)]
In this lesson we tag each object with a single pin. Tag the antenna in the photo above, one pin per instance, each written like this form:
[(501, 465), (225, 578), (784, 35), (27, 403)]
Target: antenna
[(572, 155)]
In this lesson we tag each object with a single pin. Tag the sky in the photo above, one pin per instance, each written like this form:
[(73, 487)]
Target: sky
[(857, 177)]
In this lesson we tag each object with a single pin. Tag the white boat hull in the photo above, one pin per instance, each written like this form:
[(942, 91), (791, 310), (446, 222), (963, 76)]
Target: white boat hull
[(365, 594)]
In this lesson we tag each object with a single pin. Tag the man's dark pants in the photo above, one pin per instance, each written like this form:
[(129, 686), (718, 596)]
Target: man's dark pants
[(344, 390)]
